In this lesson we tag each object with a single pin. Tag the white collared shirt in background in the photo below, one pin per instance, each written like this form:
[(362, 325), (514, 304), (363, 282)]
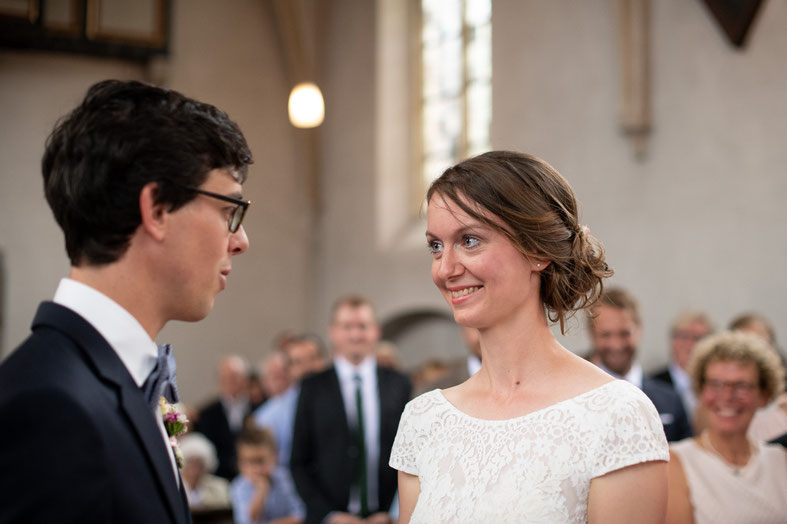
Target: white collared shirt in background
[(236, 410), (367, 370), (634, 376), (473, 365)]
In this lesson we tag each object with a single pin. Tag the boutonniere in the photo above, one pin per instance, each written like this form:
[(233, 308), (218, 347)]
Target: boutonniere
[(175, 424)]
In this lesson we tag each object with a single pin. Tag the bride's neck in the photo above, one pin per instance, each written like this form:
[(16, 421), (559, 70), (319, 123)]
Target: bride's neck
[(513, 353)]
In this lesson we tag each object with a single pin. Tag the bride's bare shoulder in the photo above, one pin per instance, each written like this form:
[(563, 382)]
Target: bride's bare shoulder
[(583, 375)]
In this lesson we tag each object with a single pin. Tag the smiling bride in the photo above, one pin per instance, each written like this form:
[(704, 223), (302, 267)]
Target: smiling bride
[(538, 434)]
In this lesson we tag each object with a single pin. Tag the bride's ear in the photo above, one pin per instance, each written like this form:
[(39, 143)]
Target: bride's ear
[(539, 264)]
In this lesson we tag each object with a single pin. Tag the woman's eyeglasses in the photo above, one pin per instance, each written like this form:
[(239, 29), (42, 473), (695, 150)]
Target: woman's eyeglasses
[(739, 389)]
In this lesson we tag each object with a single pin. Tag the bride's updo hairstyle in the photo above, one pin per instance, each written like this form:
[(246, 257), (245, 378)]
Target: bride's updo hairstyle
[(538, 212)]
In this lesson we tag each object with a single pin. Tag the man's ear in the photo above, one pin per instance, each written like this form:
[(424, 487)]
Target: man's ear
[(154, 215)]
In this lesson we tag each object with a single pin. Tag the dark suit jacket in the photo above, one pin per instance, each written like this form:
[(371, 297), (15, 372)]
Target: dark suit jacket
[(324, 453), (79, 443), (664, 376), (780, 440), (213, 423), (670, 408)]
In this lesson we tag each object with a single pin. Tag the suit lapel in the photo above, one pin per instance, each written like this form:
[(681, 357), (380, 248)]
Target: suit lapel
[(110, 368), (133, 403), (335, 389)]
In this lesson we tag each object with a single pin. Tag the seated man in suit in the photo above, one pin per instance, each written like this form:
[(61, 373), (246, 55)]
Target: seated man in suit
[(222, 419), (689, 328), (345, 424), (146, 185), (614, 326)]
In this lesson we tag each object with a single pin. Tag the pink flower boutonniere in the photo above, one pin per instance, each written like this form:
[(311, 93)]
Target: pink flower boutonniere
[(175, 424)]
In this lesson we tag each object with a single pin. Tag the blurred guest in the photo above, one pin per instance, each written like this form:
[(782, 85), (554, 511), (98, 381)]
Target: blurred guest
[(769, 422), (754, 323), (221, 420), (688, 329), (256, 392), (615, 331), (304, 356), (387, 355), (430, 371), (722, 475), (283, 338), (203, 489), (274, 374), (345, 425), (262, 494), (459, 370)]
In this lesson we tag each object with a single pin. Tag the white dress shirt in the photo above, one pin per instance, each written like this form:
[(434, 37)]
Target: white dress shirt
[(367, 370), (124, 333), (634, 376), (473, 365), (236, 410)]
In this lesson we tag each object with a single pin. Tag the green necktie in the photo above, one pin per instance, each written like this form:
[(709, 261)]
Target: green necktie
[(361, 440)]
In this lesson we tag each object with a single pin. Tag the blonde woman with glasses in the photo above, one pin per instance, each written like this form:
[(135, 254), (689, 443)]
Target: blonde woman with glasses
[(721, 475)]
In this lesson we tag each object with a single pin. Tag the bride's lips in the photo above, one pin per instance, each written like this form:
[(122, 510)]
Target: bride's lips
[(461, 294)]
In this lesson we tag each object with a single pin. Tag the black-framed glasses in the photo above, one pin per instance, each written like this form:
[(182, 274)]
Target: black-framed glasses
[(237, 214)]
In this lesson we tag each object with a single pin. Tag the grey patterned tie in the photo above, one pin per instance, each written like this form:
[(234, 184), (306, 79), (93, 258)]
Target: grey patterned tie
[(161, 381)]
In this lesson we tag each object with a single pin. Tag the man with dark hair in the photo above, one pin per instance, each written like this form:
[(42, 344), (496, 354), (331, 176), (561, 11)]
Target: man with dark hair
[(146, 185), (615, 328), (345, 424)]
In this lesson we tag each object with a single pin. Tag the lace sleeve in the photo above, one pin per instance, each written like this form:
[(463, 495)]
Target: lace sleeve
[(406, 444), (632, 433)]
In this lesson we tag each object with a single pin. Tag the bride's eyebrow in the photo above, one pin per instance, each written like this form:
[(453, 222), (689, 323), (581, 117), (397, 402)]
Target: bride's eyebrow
[(470, 229)]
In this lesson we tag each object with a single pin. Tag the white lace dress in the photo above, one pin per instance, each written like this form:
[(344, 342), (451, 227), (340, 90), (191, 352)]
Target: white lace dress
[(535, 468)]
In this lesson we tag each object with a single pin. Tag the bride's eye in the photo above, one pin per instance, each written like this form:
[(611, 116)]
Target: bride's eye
[(434, 247), (470, 242)]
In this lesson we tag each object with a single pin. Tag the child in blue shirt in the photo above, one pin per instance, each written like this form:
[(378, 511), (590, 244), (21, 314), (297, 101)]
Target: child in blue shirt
[(263, 493)]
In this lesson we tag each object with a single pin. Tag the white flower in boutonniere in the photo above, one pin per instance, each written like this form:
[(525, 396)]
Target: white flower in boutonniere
[(175, 424)]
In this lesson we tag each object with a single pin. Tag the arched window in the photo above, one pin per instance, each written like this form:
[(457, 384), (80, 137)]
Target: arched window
[(456, 83)]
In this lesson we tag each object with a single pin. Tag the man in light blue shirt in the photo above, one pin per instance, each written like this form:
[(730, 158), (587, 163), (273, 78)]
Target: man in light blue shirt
[(305, 356)]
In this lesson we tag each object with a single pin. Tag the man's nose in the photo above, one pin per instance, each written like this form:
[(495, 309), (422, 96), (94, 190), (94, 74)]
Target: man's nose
[(617, 343), (239, 242)]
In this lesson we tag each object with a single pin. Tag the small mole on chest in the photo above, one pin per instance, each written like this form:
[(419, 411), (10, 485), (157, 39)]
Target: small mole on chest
[(517, 382)]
